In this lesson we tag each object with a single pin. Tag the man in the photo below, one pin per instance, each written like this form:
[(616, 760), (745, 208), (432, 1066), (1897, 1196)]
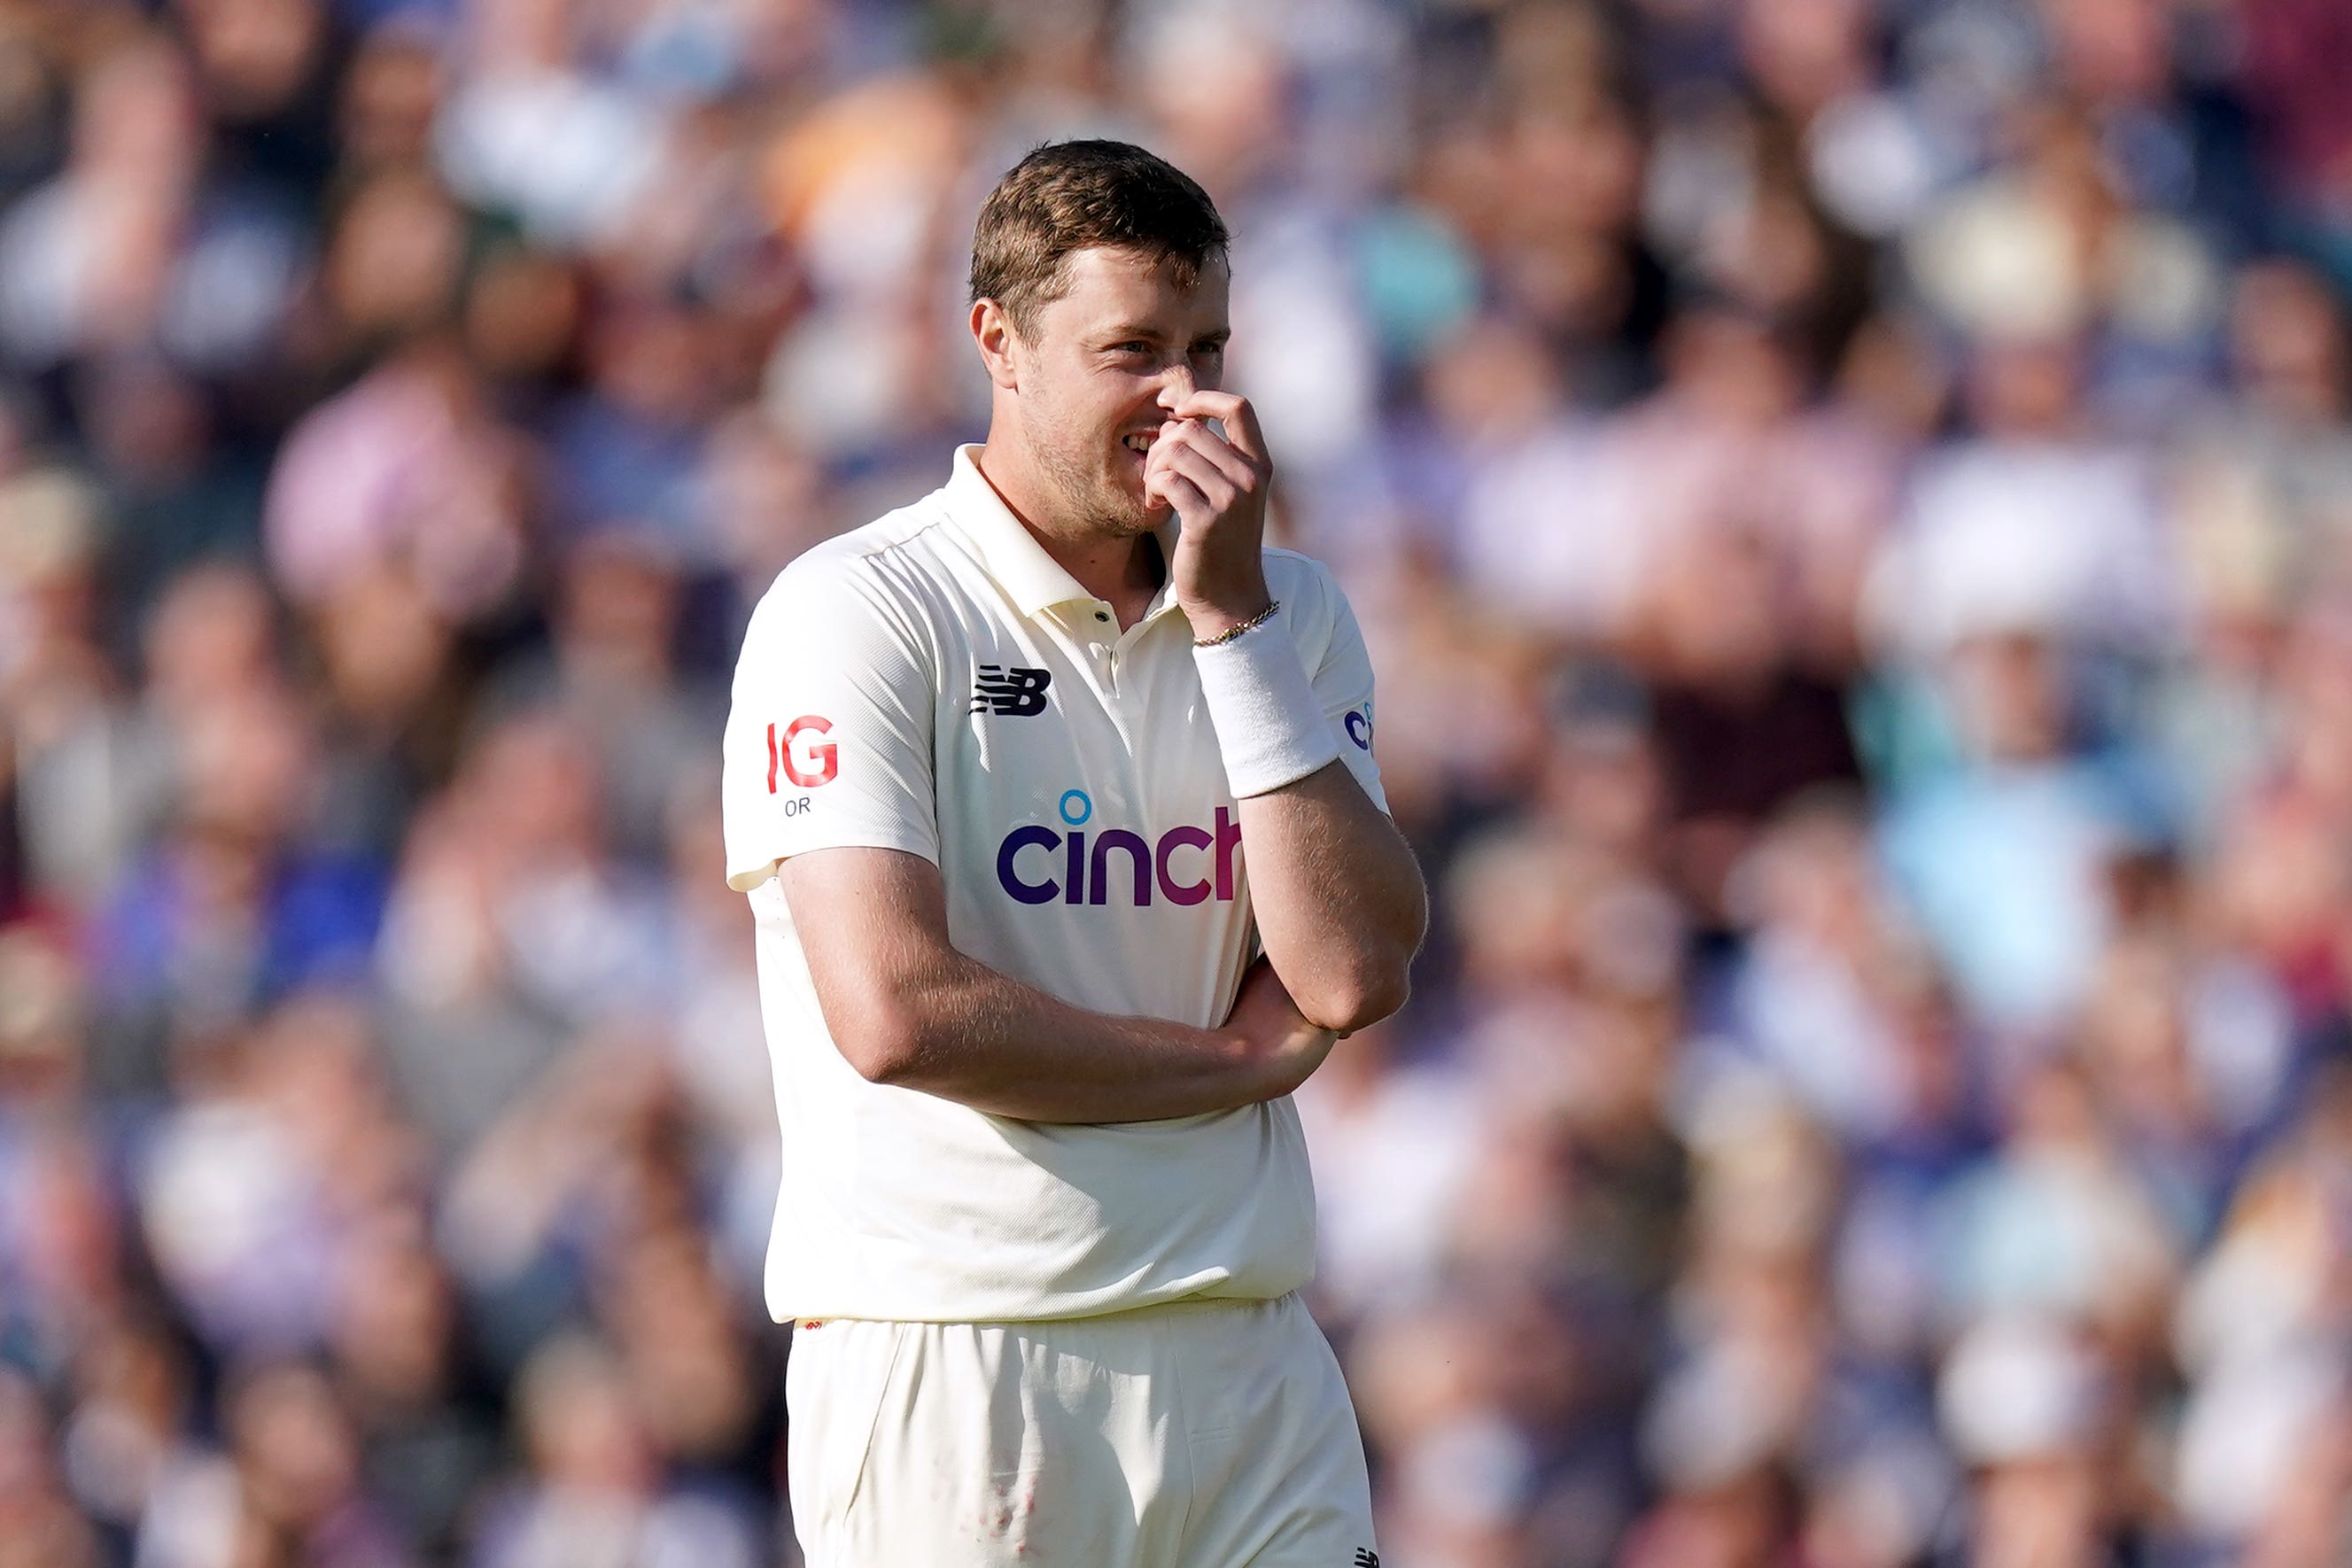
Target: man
[(1054, 795)]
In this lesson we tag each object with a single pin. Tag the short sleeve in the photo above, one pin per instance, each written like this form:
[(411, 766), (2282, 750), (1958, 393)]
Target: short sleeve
[(828, 742), (1343, 683)]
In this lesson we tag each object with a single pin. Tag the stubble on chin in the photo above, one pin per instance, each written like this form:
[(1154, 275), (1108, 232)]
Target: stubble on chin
[(1092, 502), (1123, 517)]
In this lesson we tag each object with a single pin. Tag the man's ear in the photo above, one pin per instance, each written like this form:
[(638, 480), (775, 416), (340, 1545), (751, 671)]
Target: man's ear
[(992, 330)]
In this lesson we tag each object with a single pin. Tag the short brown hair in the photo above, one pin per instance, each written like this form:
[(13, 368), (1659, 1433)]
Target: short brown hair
[(1068, 196)]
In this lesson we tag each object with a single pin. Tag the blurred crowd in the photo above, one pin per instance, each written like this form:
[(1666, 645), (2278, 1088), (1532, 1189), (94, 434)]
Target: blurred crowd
[(1852, 503)]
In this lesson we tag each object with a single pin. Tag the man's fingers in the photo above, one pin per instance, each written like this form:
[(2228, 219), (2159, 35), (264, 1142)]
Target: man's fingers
[(1194, 435), (1239, 419), (1165, 474), (1190, 447), (1184, 495), (1214, 484)]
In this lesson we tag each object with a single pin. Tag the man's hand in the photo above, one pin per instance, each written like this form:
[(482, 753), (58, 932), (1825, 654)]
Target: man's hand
[(1283, 1043), (1218, 485)]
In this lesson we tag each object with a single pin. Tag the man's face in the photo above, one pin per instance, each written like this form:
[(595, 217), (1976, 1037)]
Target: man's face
[(1102, 367)]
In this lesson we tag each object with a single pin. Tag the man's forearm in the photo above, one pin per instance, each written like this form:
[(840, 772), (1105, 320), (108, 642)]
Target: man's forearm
[(1338, 895), (906, 1008), (986, 1040)]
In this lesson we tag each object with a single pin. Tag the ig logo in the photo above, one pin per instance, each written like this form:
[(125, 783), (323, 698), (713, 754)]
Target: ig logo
[(806, 762)]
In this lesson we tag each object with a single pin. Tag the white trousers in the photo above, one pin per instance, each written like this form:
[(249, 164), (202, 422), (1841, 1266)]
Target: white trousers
[(1202, 1435)]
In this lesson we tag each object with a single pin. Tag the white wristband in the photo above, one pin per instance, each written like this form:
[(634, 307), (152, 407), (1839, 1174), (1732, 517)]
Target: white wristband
[(1269, 726)]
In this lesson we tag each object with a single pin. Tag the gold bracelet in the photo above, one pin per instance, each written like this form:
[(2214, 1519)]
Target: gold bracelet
[(1229, 632)]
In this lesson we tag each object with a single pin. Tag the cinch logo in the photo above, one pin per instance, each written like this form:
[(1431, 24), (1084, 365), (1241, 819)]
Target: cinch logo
[(1084, 874), (819, 763), (1359, 725)]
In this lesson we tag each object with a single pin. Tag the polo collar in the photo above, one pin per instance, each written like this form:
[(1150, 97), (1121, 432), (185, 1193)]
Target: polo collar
[(1013, 555)]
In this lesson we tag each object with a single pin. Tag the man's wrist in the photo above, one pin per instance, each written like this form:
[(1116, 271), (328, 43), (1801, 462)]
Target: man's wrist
[(1216, 619), (1271, 727), (1240, 628)]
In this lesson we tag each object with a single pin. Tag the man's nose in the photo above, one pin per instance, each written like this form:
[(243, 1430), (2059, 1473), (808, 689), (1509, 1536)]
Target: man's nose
[(1175, 386)]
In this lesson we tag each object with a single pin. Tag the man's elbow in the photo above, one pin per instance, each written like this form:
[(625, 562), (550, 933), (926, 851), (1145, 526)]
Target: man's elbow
[(1348, 1003), (884, 1043)]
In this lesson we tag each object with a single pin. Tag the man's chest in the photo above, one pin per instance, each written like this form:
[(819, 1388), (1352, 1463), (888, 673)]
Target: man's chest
[(1076, 768)]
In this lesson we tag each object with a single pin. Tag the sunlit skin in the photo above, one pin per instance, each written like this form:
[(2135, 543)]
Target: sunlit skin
[(1099, 427)]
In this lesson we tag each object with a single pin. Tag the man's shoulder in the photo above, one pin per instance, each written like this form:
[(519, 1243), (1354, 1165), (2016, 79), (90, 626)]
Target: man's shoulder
[(876, 582), (1305, 586), (1315, 608)]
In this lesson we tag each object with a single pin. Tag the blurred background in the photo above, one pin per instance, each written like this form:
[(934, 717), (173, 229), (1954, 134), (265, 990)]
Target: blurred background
[(1852, 503)]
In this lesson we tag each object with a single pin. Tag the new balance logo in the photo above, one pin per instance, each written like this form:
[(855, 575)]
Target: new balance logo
[(1367, 1558), (1015, 693)]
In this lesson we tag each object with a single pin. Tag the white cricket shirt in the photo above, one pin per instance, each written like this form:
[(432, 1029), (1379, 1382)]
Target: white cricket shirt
[(934, 683)]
